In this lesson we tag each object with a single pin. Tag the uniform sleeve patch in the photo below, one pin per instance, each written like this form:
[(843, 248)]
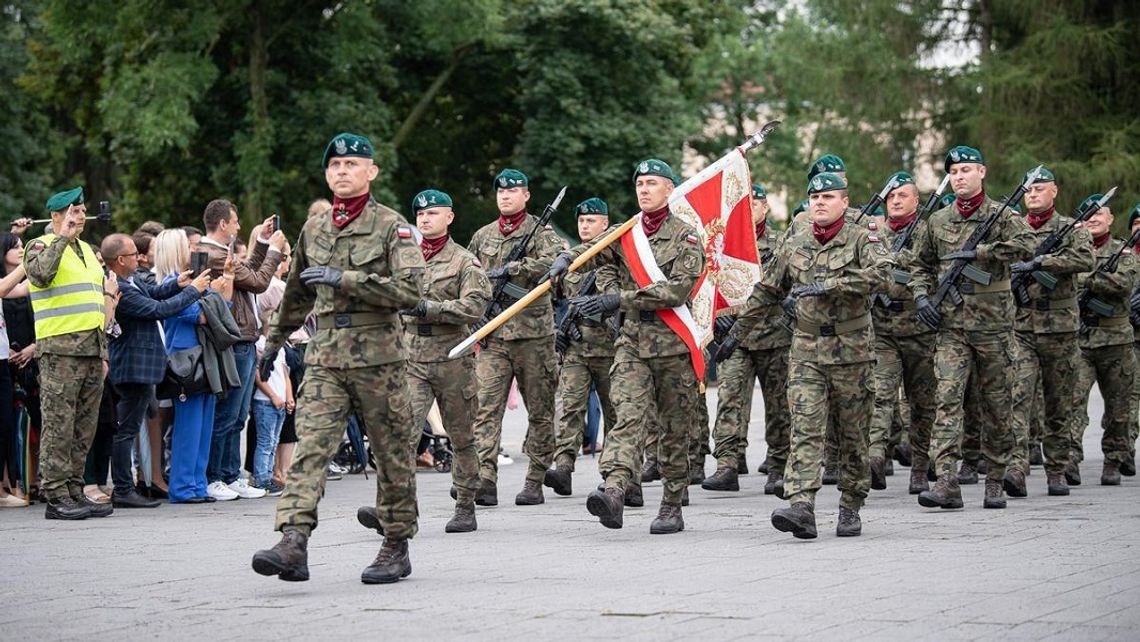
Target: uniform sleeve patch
[(692, 239), (1126, 250), (872, 238), (404, 232), (549, 227), (871, 225)]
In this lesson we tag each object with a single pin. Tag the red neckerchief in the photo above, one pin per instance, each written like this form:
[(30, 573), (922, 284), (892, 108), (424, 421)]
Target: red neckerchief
[(345, 210), (512, 222), (1099, 241), (825, 234), (431, 247), (1037, 220), (967, 206), (898, 225), (762, 229), (652, 221)]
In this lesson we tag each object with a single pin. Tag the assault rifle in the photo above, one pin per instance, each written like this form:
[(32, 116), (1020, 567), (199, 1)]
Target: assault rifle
[(877, 199), (1020, 281), (948, 283), (902, 241), (1092, 307)]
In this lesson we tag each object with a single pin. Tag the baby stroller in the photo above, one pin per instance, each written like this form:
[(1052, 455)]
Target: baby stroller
[(355, 454)]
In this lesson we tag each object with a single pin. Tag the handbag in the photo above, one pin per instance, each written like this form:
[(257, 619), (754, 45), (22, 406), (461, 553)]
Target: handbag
[(185, 375)]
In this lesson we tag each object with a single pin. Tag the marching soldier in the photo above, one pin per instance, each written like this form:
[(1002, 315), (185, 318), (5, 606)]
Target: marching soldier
[(522, 349), (978, 333), (762, 354), (353, 268), (1045, 327), (1128, 468)]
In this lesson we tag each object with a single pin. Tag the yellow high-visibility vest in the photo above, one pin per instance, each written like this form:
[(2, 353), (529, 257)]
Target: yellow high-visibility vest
[(73, 301)]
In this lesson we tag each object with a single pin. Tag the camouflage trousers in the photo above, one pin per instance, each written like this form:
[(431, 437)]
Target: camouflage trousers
[(973, 423), (1052, 362), (908, 361), (990, 356), (70, 391), (576, 376), (736, 382), (1134, 420), (816, 394), (1113, 368), (659, 391), (452, 385), (379, 397), (533, 363), (698, 436)]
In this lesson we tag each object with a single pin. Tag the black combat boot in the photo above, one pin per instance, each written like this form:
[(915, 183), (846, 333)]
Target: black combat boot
[(530, 495), (488, 493), (607, 505), (849, 523), (558, 479), (65, 508), (993, 497), (741, 464), (903, 455), (633, 496), (797, 519), (778, 488), (288, 559), (918, 481), (763, 469), (1073, 475), (1128, 468), (650, 471), (931, 474), (878, 473), (368, 518), (668, 520), (830, 475), (463, 521), (723, 479), (391, 564), (1014, 483), (1036, 457), (773, 479), (968, 473), (1110, 475), (1057, 483), (697, 472), (945, 494), (983, 467)]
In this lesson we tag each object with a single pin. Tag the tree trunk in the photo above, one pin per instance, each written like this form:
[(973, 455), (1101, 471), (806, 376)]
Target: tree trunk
[(256, 163)]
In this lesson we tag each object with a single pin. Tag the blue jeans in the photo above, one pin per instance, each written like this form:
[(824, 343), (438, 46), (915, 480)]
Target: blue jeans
[(268, 419), (229, 419)]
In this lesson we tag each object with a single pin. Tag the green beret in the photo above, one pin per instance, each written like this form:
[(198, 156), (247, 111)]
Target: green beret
[(1092, 199), (801, 207), (962, 154), (654, 167), (1044, 177), (59, 202), (825, 182), (592, 206), (509, 178), (430, 198), (947, 199), (826, 163), (759, 192), (901, 178), (346, 144), (1134, 214)]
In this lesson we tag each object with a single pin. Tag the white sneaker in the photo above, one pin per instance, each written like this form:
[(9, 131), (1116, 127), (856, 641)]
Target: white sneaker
[(242, 489), (220, 492)]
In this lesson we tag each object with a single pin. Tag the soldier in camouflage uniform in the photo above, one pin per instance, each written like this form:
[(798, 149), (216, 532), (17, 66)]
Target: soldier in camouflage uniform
[(762, 354), (353, 268), (522, 349), (454, 293), (1106, 338), (978, 333), (1128, 468), (1045, 328), (68, 299), (827, 272), (652, 366), (587, 348), (904, 350)]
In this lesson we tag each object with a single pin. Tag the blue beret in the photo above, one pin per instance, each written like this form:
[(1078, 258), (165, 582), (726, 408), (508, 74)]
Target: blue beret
[(1045, 176), (654, 167), (826, 182), (759, 192)]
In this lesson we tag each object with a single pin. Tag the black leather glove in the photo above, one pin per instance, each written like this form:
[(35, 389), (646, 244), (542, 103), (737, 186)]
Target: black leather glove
[(559, 267), (968, 255), (419, 311), (564, 337), (322, 275), (727, 347), (722, 325), (600, 305), (1031, 265), (265, 362), (499, 273), (811, 289), (926, 312)]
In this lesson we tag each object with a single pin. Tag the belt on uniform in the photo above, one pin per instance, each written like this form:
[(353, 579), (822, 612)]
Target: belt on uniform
[(843, 327), (433, 330), (648, 315), (1045, 305), (352, 320), (967, 286), (1104, 322)]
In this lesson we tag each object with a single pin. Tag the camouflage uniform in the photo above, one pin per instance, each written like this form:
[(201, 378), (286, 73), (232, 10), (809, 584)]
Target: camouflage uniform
[(456, 291), (522, 349), (586, 362), (904, 353), (975, 335), (762, 354), (355, 361), (830, 359), (1106, 357), (1046, 334), (71, 383), (652, 371)]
